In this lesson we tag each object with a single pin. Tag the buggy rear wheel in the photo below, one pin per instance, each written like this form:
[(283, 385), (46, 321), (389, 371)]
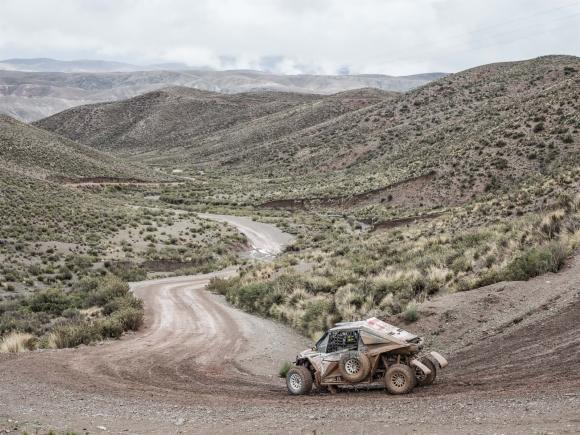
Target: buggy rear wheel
[(299, 380), (422, 378), (400, 379)]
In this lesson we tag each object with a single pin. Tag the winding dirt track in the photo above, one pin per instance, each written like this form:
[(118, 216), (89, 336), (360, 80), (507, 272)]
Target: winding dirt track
[(202, 366)]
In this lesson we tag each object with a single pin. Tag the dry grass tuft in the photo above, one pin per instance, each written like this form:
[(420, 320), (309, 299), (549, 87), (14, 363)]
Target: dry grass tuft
[(17, 342)]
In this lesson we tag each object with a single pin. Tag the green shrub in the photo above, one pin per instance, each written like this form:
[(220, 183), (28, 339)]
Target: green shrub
[(286, 366), (460, 264), (316, 315), (52, 301), (129, 272), (130, 318), (568, 139), (536, 261), (222, 286), (72, 335), (318, 285), (410, 314), (87, 285), (120, 303), (109, 288), (250, 296), (109, 328)]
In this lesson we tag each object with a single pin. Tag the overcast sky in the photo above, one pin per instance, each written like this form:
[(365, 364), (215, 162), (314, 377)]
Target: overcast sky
[(293, 36)]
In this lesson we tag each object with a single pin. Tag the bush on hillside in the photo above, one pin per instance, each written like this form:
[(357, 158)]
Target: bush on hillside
[(536, 261)]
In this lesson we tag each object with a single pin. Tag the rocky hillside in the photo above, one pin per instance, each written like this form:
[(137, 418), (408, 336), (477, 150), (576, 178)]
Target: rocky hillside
[(41, 154), (180, 120), (166, 118), (221, 148), (454, 138), (467, 133), (34, 90)]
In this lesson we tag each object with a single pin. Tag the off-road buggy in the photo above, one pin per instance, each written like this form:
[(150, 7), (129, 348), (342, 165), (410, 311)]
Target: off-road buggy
[(365, 352)]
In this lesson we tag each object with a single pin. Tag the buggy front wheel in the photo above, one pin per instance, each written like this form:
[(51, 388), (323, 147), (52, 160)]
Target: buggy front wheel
[(299, 380)]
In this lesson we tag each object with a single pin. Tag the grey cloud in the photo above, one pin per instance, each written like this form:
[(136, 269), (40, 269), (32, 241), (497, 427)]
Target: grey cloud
[(323, 36)]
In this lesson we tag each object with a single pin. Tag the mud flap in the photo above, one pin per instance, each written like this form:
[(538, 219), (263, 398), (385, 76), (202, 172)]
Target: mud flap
[(440, 359), (422, 366)]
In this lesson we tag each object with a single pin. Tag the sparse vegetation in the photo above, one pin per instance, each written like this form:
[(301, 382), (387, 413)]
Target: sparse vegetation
[(410, 314), (96, 309), (386, 273)]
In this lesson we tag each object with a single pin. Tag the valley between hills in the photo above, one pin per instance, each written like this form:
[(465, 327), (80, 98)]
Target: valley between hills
[(451, 209)]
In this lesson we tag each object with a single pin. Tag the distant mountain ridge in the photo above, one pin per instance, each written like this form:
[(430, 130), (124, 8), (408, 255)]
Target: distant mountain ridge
[(54, 65), (43, 64), (31, 89)]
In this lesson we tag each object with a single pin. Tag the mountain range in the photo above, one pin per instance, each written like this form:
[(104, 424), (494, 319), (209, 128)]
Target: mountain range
[(31, 89)]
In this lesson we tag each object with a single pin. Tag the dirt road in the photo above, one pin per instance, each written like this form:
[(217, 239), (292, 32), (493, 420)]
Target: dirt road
[(201, 366), (266, 240)]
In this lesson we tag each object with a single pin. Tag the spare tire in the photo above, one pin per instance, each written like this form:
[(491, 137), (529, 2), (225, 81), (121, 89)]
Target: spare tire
[(354, 366)]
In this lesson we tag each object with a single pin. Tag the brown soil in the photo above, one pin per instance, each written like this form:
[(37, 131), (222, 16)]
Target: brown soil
[(94, 180), (393, 223), (168, 265), (97, 182), (202, 366), (415, 191)]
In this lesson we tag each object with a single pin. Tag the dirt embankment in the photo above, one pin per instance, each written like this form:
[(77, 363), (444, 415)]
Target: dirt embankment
[(411, 191), (89, 182), (393, 223), (202, 366), (94, 180)]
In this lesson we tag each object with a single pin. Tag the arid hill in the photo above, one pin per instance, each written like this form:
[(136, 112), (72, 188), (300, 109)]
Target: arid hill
[(40, 154), (166, 118), (178, 120), (469, 132), (477, 129)]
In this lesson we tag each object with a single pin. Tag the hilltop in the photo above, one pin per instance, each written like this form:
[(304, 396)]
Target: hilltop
[(476, 130)]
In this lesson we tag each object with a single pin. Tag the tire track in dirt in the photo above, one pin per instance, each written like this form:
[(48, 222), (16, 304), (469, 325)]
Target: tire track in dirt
[(192, 341)]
